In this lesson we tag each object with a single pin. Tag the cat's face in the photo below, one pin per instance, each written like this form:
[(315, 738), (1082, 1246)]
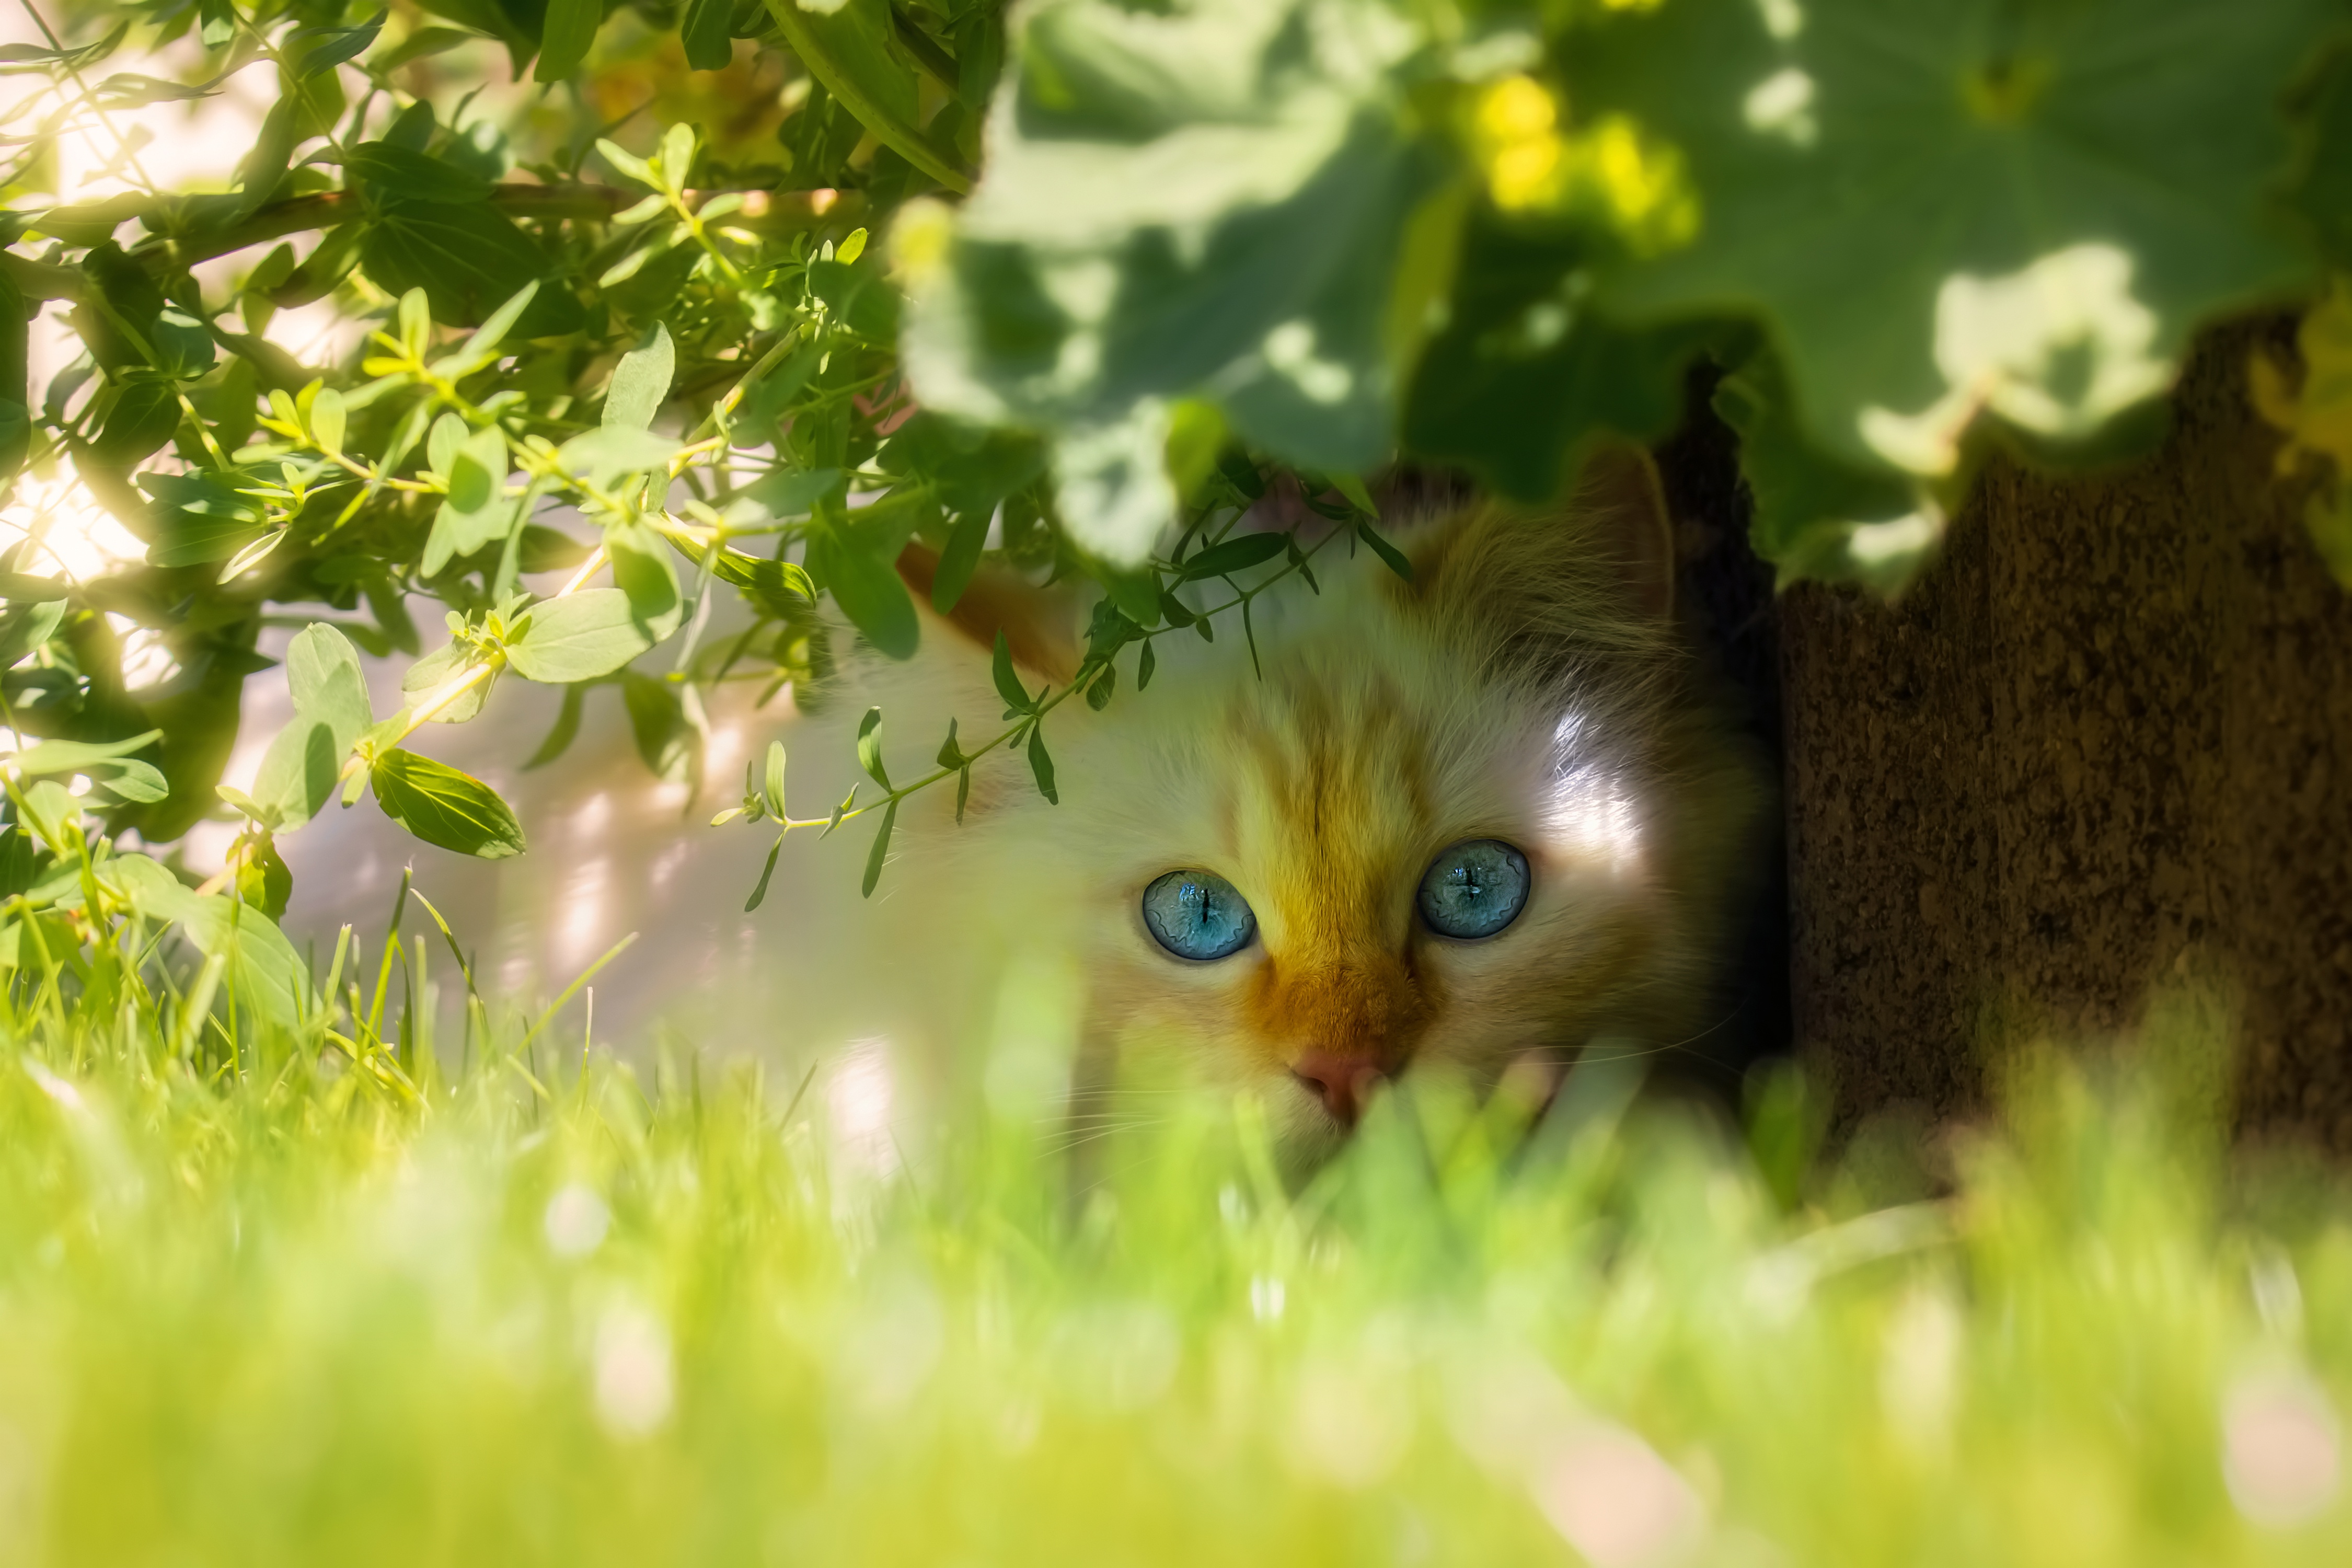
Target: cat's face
[(1470, 819), (1363, 862)]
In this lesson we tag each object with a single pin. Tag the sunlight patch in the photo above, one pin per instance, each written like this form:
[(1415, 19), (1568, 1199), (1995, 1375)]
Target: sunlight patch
[(2057, 349)]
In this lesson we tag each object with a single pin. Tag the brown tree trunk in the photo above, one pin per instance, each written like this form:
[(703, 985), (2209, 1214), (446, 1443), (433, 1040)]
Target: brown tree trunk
[(2106, 740)]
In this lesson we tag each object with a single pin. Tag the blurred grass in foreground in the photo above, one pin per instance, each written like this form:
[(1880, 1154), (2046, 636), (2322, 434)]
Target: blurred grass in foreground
[(312, 1312)]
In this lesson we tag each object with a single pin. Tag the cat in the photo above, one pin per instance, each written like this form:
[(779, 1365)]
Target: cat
[(1488, 815), (1483, 815)]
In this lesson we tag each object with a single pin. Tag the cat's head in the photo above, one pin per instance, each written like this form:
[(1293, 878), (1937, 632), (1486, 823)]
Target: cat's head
[(1473, 818)]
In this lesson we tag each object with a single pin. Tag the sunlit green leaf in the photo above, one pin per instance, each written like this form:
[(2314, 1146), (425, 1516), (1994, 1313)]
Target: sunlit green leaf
[(640, 381), (578, 637), (444, 808), (1944, 209), (1275, 153)]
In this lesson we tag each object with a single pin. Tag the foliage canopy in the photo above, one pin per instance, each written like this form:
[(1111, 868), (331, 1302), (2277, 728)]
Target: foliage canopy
[(732, 301)]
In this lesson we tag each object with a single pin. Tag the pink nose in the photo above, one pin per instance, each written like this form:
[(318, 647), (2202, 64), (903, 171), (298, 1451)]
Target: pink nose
[(1342, 1083)]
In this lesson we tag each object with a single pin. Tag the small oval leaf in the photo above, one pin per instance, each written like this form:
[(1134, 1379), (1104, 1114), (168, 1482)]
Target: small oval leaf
[(444, 808)]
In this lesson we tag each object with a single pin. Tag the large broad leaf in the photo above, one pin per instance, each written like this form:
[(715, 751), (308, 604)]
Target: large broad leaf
[(1210, 202), (1818, 515), (1524, 368), (1942, 207), (443, 806), (469, 258)]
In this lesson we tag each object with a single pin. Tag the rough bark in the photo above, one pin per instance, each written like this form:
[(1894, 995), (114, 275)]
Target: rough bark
[(2104, 742)]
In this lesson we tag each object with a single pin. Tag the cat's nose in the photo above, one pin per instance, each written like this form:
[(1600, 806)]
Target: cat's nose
[(1342, 1083)]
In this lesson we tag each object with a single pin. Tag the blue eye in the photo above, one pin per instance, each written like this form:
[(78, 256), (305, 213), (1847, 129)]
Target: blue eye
[(1197, 914), (1474, 889)]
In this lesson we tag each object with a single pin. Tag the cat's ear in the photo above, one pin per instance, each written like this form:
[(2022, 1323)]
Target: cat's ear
[(1040, 625), (1619, 499)]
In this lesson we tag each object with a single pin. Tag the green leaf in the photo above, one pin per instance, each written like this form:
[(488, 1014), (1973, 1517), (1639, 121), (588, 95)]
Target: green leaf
[(444, 808), (1390, 556), (781, 585), (324, 678), (420, 45), (860, 297), (847, 46), (1292, 197), (142, 418), (772, 784), (1145, 663), (67, 59), (629, 165), (468, 259), (477, 511), (1817, 516), (427, 674), (1945, 209), (1136, 594), (307, 51), (263, 169), (881, 849), (570, 34), (1008, 684), (707, 33), (264, 972), (1525, 370), (579, 636), (302, 769), (482, 348), (567, 728), (15, 390), (387, 171), (1098, 695), (264, 880), (53, 757), (760, 892), (868, 591), (958, 561), (1040, 765), (677, 146), (1235, 554), (197, 518), (640, 381), (610, 453), (667, 738), (869, 747), (444, 441), (131, 780), (643, 569), (951, 755), (328, 419), (24, 627), (791, 493)]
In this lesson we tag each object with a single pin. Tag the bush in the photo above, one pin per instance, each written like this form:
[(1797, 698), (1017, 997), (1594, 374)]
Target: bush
[(1137, 261)]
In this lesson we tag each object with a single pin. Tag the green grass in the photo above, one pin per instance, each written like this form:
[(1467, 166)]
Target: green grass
[(303, 1308)]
